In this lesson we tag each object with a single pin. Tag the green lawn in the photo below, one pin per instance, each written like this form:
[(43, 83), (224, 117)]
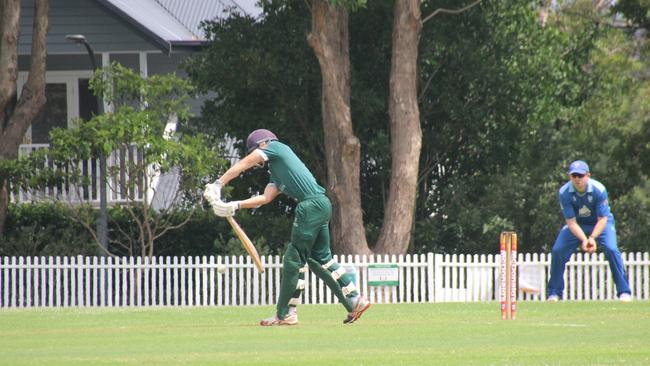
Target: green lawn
[(565, 333)]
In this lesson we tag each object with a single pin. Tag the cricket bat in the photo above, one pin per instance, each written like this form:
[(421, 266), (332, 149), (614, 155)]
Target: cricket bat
[(246, 243)]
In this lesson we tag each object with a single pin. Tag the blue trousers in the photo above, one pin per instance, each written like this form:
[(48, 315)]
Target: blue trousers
[(566, 244)]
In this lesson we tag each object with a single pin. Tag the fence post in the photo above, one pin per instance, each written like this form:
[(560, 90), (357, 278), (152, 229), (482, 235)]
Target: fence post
[(21, 282), (67, 271), (5, 282), (646, 277), (50, 278), (437, 277), (204, 281), (219, 285), (37, 270), (430, 297)]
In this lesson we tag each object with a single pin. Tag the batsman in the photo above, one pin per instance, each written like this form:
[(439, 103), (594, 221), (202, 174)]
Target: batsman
[(310, 237)]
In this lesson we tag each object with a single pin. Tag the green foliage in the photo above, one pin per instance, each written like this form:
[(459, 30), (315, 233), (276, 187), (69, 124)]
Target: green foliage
[(202, 233), (502, 103), (505, 105), (161, 96), (499, 90), (207, 234), (35, 171), (265, 75), (135, 125), (637, 11), (614, 127), (632, 216), (44, 229), (141, 109)]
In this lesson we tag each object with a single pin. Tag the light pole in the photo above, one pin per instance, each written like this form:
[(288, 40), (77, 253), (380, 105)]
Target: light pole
[(102, 220)]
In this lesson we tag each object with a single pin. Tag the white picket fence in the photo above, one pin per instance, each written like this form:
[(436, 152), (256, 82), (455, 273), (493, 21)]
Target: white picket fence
[(196, 281)]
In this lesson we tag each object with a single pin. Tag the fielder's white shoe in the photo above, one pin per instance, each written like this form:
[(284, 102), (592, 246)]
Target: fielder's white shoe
[(553, 298), (359, 305), (290, 319), (625, 297)]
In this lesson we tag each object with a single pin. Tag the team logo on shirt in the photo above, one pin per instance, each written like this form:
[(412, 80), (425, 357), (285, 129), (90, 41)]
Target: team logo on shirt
[(584, 211)]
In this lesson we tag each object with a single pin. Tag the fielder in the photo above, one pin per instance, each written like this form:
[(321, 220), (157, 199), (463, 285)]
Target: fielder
[(310, 237), (589, 222)]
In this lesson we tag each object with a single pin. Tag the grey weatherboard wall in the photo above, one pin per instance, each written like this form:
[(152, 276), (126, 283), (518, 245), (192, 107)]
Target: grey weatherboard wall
[(103, 30)]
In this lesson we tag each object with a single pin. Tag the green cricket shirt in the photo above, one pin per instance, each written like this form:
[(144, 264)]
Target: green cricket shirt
[(289, 174)]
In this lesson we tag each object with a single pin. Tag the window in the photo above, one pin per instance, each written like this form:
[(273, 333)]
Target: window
[(55, 113), (68, 98), (88, 106)]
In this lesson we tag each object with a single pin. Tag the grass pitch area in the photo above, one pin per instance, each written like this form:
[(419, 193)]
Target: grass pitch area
[(565, 333)]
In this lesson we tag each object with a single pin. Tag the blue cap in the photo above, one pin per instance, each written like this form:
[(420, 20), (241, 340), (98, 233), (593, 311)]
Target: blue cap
[(579, 167)]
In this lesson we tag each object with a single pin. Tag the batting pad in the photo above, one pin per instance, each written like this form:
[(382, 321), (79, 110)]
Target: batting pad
[(333, 284), (338, 273), (349, 289)]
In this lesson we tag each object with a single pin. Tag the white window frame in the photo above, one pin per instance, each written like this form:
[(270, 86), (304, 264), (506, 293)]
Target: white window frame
[(71, 79)]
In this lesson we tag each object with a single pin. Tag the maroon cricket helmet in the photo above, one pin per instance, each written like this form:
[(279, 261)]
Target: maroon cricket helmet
[(257, 137)]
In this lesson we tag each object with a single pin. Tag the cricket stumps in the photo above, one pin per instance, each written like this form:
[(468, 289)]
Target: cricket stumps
[(508, 275)]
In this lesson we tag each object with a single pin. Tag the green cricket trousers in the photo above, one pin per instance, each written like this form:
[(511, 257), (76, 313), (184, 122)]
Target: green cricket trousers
[(310, 246)]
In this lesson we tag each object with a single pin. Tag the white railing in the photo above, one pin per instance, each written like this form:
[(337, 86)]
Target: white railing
[(198, 281), (89, 192)]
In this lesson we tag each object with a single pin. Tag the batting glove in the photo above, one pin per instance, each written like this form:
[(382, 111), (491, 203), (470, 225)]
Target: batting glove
[(225, 209), (212, 192)]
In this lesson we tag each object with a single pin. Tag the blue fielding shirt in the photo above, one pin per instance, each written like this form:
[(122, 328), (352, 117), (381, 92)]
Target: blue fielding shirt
[(586, 207)]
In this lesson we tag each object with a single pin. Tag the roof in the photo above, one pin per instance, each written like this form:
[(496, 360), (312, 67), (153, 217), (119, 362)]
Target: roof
[(175, 22), (191, 13)]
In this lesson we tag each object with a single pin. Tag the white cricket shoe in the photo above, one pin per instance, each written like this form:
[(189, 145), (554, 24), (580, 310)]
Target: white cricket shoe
[(290, 319), (625, 297), (359, 305), (553, 298)]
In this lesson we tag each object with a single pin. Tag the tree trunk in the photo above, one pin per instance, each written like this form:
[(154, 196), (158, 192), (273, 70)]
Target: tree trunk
[(329, 40), (405, 131), (16, 117)]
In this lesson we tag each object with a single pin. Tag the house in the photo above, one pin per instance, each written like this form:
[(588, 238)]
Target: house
[(152, 36)]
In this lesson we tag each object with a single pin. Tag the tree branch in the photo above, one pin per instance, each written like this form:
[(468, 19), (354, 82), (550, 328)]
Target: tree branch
[(129, 247), (173, 227), (450, 11), (426, 86), (74, 214)]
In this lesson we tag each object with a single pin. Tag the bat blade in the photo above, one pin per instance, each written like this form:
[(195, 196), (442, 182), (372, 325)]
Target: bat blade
[(246, 243)]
